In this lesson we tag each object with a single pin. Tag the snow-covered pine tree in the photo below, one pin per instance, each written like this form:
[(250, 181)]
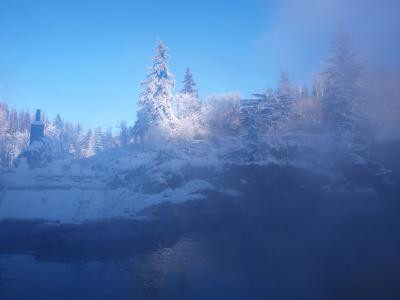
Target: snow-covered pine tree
[(77, 141), (69, 138), (188, 108), (155, 102), (221, 114), (306, 108), (89, 144), (188, 103), (285, 98), (274, 107), (124, 134), (98, 140), (108, 139), (189, 85), (343, 107), (57, 135), (14, 133), (5, 136), (318, 87)]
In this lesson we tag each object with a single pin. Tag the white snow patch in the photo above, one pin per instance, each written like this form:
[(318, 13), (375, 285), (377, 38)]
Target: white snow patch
[(80, 204)]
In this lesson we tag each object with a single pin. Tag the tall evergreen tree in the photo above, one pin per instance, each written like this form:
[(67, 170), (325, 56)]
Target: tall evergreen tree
[(343, 106), (124, 134), (285, 97), (189, 109), (57, 134), (272, 108), (285, 87), (89, 144), (155, 102), (187, 102), (108, 139), (189, 85), (77, 141), (98, 140), (5, 137)]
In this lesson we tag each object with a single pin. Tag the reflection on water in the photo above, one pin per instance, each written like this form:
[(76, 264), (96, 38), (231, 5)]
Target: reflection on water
[(184, 271), (164, 266)]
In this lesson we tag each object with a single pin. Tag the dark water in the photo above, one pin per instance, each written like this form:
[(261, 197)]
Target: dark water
[(287, 237), (357, 258), (183, 271)]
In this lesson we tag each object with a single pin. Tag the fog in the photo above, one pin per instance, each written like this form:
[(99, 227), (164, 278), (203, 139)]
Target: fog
[(309, 25), (302, 30)]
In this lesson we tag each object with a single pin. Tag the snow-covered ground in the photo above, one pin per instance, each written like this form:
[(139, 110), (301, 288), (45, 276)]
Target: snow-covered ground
[(76, 204), (122, 182), (110, 185)]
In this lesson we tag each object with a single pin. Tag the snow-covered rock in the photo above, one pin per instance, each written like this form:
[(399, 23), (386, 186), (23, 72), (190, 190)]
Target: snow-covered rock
[(123, 182)]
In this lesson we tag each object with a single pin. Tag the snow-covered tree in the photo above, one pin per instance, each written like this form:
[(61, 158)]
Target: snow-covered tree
[(14, 133), (56, 132), (89, 144), (306, 108), (62, 138), (4, 123), (5, 137), (188, 102), (124, 134), (77, 141), (98, 140), (283, 106), (285, 86), (155, 102), (343, 105), (318, 87), (270, 111), (108, 140), (221, 113), (189, 85), (188, 108)]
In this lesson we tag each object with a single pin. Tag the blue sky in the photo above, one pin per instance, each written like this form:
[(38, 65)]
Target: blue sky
[(85, 59)]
